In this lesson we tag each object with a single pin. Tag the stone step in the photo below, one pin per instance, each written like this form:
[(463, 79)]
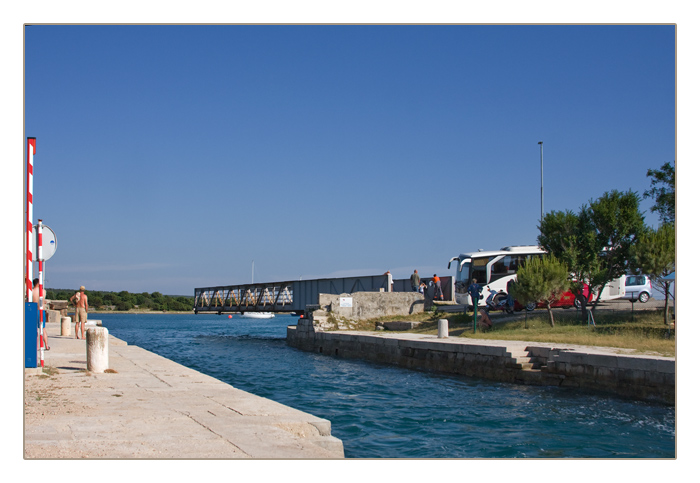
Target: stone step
[(523, 360)]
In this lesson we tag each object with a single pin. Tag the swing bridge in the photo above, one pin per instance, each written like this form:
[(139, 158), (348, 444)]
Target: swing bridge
[(293, 296)]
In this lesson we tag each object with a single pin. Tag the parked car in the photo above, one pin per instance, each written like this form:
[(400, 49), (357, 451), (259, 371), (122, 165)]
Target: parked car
[(567, 299), (637, 287)]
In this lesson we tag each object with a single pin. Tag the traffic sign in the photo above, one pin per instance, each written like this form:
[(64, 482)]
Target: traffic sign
[(48, 238)]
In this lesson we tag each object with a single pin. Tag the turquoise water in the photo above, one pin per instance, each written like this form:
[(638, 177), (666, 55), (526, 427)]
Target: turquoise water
[(382, 411)]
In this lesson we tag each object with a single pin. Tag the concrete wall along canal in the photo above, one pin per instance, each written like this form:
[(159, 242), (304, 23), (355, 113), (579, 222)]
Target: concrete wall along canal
[(615, 371)]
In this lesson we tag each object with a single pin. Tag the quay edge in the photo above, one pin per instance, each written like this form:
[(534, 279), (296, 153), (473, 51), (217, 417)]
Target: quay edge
[(608, 370), (148, 406)]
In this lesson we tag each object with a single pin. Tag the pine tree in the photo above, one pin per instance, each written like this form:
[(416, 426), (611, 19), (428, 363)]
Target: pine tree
[(663, 191), (654, 254), (542, 280)]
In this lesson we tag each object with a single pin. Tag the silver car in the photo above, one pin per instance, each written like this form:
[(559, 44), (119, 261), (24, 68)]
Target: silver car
[(637, 287)]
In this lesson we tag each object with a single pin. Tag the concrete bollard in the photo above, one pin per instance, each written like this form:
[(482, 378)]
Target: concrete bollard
[(97, 339), (442, 329), (65, 326)]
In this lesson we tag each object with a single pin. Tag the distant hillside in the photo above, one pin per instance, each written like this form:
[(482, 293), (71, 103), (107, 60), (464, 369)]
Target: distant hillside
[(125, 300)]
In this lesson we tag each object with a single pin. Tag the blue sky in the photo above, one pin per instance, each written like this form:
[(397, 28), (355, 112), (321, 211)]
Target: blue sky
[(170, 157)]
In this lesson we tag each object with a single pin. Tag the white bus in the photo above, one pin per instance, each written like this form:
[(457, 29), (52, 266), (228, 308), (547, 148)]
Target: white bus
[(496, 268)]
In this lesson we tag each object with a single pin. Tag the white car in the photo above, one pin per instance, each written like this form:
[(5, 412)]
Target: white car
[(637, 287)]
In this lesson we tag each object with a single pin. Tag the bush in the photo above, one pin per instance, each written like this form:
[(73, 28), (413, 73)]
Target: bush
[(125, 306)]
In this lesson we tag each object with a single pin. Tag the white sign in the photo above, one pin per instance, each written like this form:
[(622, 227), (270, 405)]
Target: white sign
[(346, 301), (48, 243)]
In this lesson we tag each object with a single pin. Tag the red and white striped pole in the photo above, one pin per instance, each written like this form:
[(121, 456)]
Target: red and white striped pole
[(31, 150), (40, 257)]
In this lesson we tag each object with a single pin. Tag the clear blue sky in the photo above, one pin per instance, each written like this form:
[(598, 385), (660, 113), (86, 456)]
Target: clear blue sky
[(170, 157)]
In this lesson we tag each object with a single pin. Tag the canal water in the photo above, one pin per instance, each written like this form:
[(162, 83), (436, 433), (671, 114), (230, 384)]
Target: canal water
[(382, 411)]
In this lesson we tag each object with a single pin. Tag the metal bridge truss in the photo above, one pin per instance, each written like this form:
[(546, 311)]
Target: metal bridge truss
[(293, 296), (245, 298)]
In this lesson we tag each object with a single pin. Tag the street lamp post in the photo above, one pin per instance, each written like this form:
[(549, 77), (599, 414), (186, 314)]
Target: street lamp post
[(541, 181)]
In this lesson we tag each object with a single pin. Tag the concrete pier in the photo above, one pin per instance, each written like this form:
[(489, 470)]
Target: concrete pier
[(147, 406), (616, 371)]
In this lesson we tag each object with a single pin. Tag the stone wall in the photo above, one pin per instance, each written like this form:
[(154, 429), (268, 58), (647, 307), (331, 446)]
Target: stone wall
[(55, 309), (365, 305), (639, 377)]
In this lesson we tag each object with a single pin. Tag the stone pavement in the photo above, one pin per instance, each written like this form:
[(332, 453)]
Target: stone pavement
[(152, 407)]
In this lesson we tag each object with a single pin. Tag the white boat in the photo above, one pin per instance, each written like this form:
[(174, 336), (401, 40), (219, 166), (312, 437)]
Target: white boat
[(258, 315)]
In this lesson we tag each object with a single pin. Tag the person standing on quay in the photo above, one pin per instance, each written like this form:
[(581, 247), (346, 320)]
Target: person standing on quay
[(81, 307), (415, 281), (475, 291), (35, 298)]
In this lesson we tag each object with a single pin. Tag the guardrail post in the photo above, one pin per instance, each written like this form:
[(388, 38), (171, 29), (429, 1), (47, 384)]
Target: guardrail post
[(65, 326), (97, 342), (442, 328)]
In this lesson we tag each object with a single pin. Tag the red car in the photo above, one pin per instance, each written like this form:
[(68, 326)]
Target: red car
[(566, 300)]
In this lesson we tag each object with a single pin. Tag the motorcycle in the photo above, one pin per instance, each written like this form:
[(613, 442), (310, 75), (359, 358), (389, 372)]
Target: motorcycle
[(498, 301)]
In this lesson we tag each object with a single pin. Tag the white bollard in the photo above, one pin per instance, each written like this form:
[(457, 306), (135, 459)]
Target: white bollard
[(97, 340), (65, 326), (442, 329)]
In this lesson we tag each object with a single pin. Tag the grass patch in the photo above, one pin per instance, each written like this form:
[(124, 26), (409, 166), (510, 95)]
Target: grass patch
[(50, 371), (645, 333)]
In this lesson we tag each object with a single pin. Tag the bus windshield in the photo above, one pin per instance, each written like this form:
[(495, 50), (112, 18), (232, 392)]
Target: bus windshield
[(463, 274), (476, 269)]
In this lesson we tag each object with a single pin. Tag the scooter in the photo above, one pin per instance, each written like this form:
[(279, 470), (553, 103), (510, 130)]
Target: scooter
[(498, 301)]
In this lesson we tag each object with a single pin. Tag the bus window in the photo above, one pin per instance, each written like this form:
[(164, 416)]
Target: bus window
[(479, 269), (508, 265)]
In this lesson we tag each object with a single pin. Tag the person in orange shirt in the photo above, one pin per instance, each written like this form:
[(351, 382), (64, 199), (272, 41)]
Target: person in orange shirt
[(438, 288), (81, 306)]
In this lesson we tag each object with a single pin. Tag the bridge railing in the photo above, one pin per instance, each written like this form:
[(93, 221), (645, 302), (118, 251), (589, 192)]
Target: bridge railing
[(292, 296)]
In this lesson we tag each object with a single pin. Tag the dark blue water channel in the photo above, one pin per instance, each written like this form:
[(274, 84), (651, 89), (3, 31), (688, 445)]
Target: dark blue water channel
[(382, 411)]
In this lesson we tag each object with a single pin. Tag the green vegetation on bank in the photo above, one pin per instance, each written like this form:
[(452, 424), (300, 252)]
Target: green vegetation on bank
[(124, 300), (643, 331)]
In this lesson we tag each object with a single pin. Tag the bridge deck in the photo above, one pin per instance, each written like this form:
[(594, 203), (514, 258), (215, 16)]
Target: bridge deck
[(295, 295)]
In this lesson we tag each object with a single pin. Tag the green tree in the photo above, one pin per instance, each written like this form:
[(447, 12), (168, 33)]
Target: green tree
[(596, 243), (571, 239), (655, 255), (124, 305), (542, 280), (618, 223), (95, 300), (663, 191), (147, 304)]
